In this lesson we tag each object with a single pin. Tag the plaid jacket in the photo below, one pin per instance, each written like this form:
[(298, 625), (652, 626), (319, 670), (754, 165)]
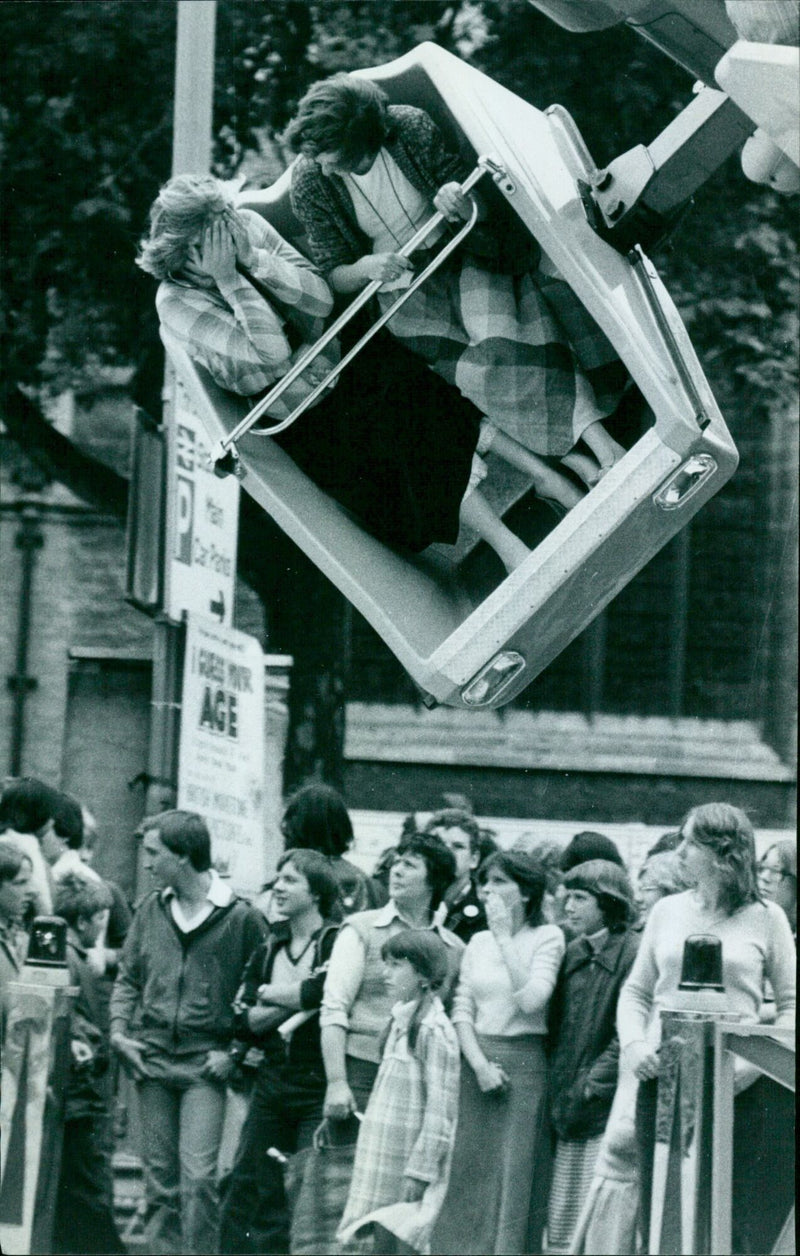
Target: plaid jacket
[(246, 336), (323, 203)]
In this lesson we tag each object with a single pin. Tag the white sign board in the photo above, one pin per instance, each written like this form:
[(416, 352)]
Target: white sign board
[(221, 754), (202, 519)]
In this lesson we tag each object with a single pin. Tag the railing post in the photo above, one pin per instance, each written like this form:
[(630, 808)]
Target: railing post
[(722, 1145), (35, 1068), (681, 1205)]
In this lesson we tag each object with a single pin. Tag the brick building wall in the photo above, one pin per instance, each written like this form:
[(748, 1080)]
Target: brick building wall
[(78, 613)]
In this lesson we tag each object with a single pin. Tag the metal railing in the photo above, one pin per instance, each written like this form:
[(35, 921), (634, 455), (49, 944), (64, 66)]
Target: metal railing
[(226, 447), (691, 1207), (772, 1051)]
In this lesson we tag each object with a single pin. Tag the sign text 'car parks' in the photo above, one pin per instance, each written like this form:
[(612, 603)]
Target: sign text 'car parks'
[(202, 519)]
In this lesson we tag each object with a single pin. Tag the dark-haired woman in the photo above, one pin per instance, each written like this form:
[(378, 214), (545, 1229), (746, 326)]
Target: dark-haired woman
[(584, 1049), (718, 853), (507, 979), (316, 818), (369, 176), (283, 978)]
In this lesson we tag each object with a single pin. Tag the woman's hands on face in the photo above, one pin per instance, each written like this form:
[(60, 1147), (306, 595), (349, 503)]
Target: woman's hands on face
[(498, 916), (245, 251), (218, 253)]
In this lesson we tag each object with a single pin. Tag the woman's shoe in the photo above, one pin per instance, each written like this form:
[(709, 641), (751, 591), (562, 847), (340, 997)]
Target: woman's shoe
[(558, 508)]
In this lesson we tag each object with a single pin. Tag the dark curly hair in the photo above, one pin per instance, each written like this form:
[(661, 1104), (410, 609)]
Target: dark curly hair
[(529, 875), (341, 114), (438, 859)]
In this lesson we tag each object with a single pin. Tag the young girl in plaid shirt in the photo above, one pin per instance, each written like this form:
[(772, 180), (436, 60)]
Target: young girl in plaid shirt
[(405, 1144)]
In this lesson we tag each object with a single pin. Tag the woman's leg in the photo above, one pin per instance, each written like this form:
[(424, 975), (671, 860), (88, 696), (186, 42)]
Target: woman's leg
[(604, 447), (478, 514), (547, 483)]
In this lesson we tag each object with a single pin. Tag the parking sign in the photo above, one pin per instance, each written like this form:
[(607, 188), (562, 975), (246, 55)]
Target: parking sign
[(202, 518)]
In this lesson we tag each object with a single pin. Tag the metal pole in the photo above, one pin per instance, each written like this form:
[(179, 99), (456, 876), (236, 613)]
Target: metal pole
[(29, 540), (194, 87), (191, 154)]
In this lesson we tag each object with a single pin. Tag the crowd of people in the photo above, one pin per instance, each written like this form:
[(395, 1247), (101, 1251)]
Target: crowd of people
[(459, 1053)]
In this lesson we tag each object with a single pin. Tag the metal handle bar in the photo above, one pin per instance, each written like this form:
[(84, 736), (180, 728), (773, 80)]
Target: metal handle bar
[(336, 370), (485, 165)]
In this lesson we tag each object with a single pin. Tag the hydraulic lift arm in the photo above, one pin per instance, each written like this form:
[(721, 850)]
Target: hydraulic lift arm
[(637, 197)]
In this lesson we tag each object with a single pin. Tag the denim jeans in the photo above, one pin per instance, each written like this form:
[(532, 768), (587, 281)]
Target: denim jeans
[(182, 1115), (284, 1112)]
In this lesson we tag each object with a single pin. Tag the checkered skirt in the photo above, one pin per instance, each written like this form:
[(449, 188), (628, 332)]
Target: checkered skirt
[(500, 340), (573, 1170)]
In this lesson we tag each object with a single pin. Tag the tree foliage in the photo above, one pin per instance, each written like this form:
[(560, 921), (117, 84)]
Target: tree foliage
[(86, 118), (86, 111)]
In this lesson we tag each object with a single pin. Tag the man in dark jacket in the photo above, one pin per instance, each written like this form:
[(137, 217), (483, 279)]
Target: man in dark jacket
[(172, 1023), (277, 1012), (584, 1049)]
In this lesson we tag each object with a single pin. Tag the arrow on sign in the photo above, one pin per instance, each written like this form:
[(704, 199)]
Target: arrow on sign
[(218, 607)]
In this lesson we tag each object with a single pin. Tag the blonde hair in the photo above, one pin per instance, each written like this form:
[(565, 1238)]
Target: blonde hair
[(180, 213)]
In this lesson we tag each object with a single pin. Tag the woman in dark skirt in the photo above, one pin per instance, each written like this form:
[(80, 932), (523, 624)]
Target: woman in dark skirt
[(389, 442), (497, 1195)]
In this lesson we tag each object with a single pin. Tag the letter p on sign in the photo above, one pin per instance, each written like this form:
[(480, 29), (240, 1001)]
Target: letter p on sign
[(184, 520)]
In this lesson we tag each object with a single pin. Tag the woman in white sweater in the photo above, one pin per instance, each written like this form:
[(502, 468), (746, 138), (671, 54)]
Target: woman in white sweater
[(718, 854), (495, 1203)]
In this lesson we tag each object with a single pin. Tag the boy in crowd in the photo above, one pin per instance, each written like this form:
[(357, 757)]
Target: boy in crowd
[(172, 1023), (462, 836), (84, 1220)]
